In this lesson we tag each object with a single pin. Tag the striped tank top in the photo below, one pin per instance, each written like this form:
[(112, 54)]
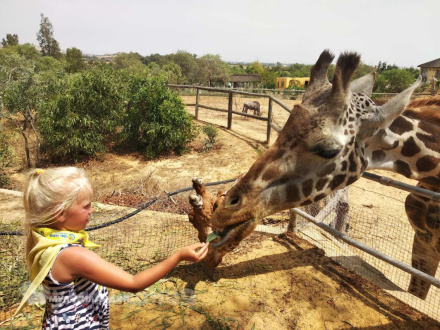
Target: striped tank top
[(80, 304)]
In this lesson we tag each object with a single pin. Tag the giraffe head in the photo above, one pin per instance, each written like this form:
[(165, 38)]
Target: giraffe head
[(320, 149)]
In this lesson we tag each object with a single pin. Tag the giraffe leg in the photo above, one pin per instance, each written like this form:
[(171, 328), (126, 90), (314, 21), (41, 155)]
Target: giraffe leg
[(423, 216), (425, 259)]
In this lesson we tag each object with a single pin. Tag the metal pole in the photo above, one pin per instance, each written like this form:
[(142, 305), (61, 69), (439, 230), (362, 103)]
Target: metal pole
[(369, 250), (404, 186)]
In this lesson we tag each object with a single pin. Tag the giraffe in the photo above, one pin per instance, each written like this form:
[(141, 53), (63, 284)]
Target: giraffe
[(202, 203), (328, 141)]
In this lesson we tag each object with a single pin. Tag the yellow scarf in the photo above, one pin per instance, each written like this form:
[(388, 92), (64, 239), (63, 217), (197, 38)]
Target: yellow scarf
[(47, 244)]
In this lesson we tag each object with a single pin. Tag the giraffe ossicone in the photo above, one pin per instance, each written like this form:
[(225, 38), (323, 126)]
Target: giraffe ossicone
[(328, 141)]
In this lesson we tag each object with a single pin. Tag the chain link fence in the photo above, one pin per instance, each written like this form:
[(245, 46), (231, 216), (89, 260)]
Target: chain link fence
[(144, 235)]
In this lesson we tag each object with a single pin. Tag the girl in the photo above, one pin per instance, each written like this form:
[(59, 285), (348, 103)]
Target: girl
[(58, 206)]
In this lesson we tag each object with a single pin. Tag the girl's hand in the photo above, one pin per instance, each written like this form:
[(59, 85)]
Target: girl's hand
[(193, 253)]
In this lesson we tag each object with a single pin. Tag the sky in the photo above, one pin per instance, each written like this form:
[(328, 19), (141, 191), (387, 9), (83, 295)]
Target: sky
[(400, 32)]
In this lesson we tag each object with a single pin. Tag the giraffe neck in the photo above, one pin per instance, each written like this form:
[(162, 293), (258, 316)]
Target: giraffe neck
[(409, 146)]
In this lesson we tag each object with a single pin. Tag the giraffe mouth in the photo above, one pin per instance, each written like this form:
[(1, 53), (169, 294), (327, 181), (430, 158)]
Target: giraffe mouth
[(227, 232)]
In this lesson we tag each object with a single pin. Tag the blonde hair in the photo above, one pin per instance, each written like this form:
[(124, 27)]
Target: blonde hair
[(49, 193)]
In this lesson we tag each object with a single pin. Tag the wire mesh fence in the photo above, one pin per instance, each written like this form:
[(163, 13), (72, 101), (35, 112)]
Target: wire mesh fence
[(149, 236), (134, 238), (391, 235)]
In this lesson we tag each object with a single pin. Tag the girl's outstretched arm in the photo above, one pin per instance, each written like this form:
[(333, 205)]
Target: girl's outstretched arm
[(78, 261)]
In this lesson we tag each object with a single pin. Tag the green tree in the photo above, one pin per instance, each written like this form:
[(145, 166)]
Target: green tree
[(74, 60), (28, 51), (393, 81), (20, 93), (173, 72), (299, 70), (154, 69), (383, 66), (362, 70), (156, 121), (156, 58), (188, 64), (236, 69), (268, 79), (130, 61), (256, 68), (213, 70), (48, 63), (20, 97), (414, 71), (11, 40), (76, 122), (49, 46), (285, 74)]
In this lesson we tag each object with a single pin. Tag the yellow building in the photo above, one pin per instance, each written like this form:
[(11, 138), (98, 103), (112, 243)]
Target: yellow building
[(289, 82), (429, 70)]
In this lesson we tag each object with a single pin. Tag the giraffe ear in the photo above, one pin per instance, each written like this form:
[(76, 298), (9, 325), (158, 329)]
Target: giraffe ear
[(364, 84), (394, 107), (381, 116)]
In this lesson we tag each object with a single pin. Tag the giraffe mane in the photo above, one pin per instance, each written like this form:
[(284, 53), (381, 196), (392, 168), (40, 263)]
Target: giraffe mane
[(420, 102), (425, 109)]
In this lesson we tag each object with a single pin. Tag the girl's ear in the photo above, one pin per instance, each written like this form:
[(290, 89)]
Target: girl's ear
[(60, 216)]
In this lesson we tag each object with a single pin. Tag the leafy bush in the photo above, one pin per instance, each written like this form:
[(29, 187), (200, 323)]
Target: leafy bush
[(156, 119), (211, 132), (75, 122), (393, 81)]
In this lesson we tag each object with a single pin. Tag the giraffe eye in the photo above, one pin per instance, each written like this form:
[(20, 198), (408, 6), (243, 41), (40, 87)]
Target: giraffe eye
[(326, 149), (234, 201)]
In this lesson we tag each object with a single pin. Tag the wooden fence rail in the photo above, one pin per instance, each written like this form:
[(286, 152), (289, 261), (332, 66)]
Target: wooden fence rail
[(231, 93)]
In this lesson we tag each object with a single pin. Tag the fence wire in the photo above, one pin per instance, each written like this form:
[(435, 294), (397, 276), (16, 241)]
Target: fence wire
[(136, 239), (391, 235), (153, 234)]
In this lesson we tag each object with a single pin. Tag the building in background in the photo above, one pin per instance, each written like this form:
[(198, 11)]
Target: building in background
[(292, 82), (429, 70), (244, 80)]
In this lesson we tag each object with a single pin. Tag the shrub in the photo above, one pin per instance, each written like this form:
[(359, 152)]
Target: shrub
[(75, 122), (211, 133), (156, 119)]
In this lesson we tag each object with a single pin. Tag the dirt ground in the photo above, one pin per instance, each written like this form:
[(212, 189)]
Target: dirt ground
[(269, 282)]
